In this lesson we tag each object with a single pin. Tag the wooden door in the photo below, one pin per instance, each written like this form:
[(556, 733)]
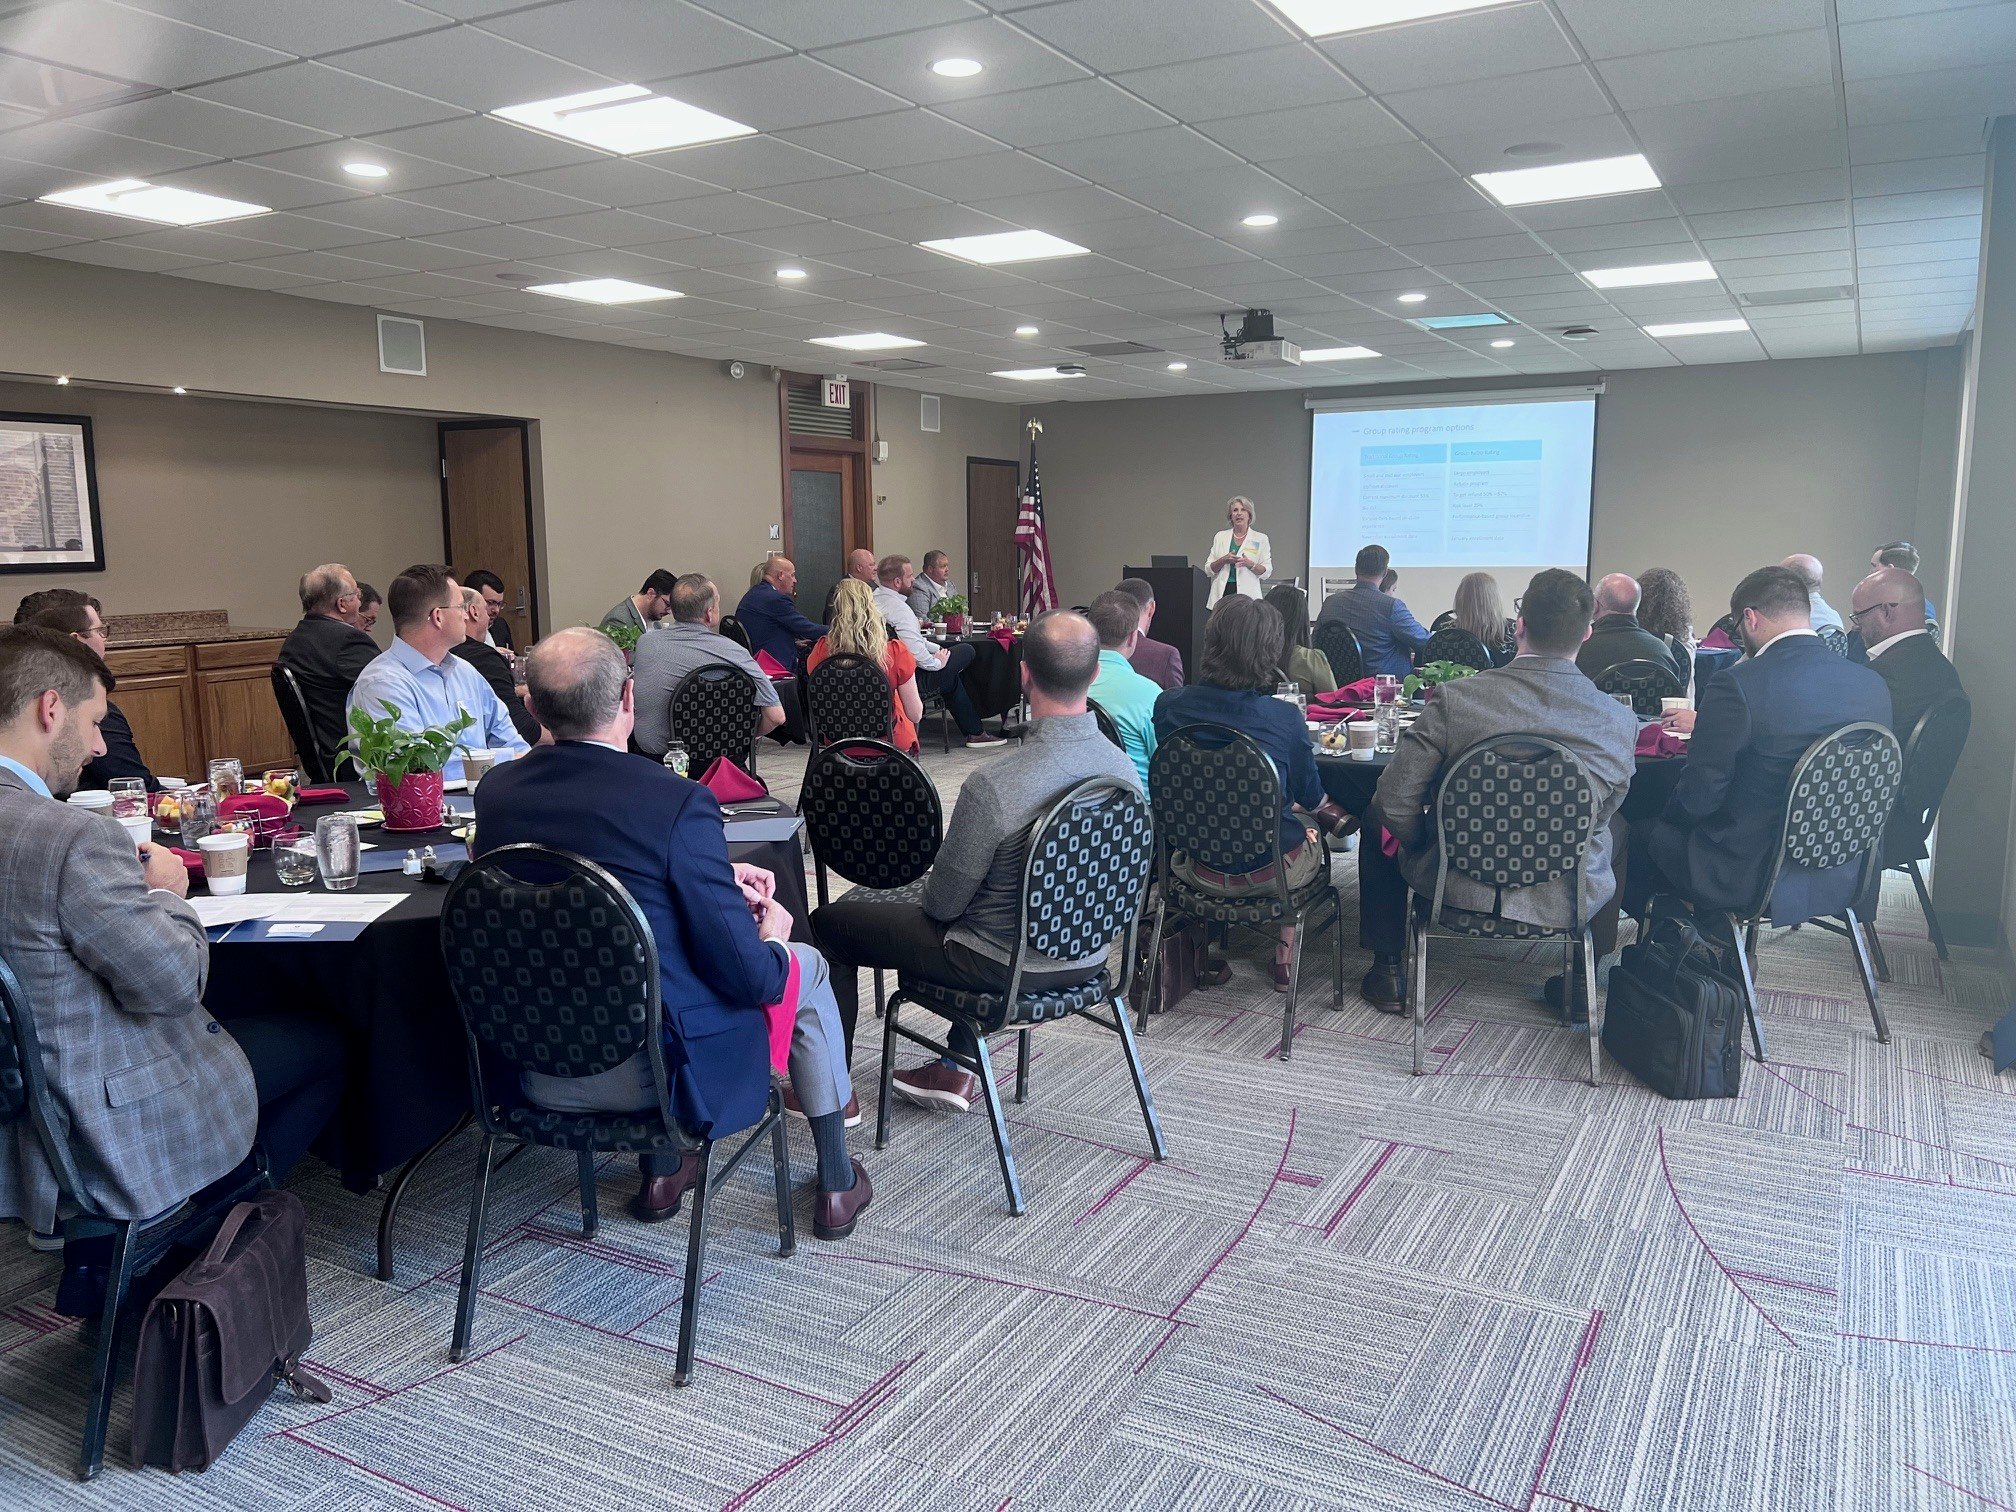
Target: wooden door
[(486, 513), (241, 717), (819, 524), (993, 500), (158, 697)]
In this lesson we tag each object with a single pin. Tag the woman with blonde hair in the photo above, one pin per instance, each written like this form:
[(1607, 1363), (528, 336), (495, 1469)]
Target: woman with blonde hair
[(1480, 610), (1240, 555), (856, 627)]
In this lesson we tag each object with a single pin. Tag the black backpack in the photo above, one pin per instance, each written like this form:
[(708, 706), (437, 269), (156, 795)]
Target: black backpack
[(1673, 1017)]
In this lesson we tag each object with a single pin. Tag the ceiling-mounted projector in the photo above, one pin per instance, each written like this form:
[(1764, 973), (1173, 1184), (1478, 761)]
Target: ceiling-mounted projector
[(1255, 343)]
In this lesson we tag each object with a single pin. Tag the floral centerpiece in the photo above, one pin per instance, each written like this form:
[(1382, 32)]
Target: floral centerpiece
[(626, 638), (952, 608), (404, 765), (1433, 674)]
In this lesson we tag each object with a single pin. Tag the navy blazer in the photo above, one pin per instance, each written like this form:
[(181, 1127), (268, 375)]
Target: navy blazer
[(1755, 721), (662, 838), (772, 620), (1387, 631)]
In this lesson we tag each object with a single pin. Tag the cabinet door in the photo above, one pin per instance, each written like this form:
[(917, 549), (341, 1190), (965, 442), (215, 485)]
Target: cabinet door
[(242, 719), (162, 710)]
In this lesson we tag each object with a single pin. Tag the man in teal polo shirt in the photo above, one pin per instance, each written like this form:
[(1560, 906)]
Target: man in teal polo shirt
[(1127, 696)]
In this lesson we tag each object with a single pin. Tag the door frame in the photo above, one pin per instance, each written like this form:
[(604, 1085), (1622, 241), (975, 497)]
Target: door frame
[(524, 429), (1009, 462), (859, 526)]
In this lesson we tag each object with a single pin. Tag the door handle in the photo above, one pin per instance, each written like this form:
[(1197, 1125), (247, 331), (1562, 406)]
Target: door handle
[(521, 600)]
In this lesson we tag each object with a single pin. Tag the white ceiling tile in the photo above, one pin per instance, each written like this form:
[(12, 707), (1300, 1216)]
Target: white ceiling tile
[(208, 244), (242, 277), (391, 216), (198, 126), (102, 38), (1337, 125), (603, 228), (864, 193), (258, 185), (314, 94), (607, 263), (618, 182), (780, 93), (828, 22), (1949, 136), (1515, 105), (1758, 193), (113, 254), (1918, 233), (93, 154), (759, 162), (309, 235), (306, 27), (329, 265), (509, 243), (725, 213), (1775, 245), (1604, 210), (1410, 185), (1111, 35), (813, 239), (1766, 156), (1570, 141), (1910, 177), (483, 145), (1918, 43), (344, 293), (1820, 215), (1454, 49), (902, 63), (897, 140), (1721, 70), (1614, 28), (1625, 237), (324, 162), (1931, 205), (1987, 89), (1139, 154), (500, 200), (636, 41), (699, 250), (470, 68), (1814, 267), (989, 177), (1059, 210), (1056, 113), (413, 255), (1215, 88), (1772, 113)]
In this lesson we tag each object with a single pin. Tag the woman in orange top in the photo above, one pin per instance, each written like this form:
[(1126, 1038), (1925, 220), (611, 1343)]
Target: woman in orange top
[(857, 626)]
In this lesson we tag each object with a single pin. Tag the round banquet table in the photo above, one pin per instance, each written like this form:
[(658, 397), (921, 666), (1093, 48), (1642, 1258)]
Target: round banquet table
[(994, 681), (408, 1083), (1351, 782)]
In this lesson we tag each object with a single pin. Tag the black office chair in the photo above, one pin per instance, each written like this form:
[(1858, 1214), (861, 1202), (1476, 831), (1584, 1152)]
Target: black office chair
[(1218, 802), (1089, 862), (1836, 807), (138, 1244), (1512, 811), (847, 697), (874, 819), (1106, 725), (318, 764), (732, 628), (1646, 681), (714, 714), (1453, 643), (555, 971), (1931, 752), (1340, 648)]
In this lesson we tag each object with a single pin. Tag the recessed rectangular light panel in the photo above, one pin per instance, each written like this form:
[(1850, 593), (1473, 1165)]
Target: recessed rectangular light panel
[(867, 341), (1459, 322), (1649, 273), (1569, 181), (155, 202), (1336, 354), (626, 118), (605, 291), (1005, 247), (1327, 18), (1697, 328), (1034, 375)]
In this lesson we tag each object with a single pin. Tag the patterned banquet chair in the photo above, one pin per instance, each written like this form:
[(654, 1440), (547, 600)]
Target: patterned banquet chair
[(554, 970), (714, 714), (1455, 644), (1090, 858), (1106, 725), (847, 698), (1340, 648), (1647, 682), (1931, 753)]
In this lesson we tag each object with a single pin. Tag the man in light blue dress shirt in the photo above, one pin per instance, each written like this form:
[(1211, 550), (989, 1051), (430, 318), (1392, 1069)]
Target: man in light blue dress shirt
[(419, 676)]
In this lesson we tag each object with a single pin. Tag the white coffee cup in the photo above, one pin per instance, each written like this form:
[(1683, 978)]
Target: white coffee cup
[(139, 826), (1363, 736), (226, 858), (1672, 705), (90, 798)]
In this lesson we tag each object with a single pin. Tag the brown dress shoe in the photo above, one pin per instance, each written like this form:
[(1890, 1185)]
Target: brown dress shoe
[(834, 1213), (659, 1197), (937, 1085)]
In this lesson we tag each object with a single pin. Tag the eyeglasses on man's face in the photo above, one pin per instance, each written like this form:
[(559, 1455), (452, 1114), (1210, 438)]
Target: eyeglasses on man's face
[(1856, 616)]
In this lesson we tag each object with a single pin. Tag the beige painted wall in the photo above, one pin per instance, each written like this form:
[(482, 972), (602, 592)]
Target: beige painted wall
[(644, 457), (220, 504), (1707, 470), (922, 487)]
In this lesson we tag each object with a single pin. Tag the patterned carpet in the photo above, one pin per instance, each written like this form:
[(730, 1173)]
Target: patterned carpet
[(1491, 1287)]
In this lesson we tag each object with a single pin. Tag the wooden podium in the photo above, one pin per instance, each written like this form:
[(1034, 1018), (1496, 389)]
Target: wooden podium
[(1181, 607)]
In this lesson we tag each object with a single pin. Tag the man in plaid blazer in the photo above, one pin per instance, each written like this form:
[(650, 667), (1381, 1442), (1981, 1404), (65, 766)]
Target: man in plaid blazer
[(157, 1099)]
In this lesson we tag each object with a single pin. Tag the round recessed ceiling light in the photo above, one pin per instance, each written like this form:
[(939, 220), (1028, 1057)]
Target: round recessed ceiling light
[(955, 68), (1501, 343), (1413, 298), (1179, 367), (1262, 219), (1025, 330), (1533, 149), (367, 170), (791, 273), (180, 390)]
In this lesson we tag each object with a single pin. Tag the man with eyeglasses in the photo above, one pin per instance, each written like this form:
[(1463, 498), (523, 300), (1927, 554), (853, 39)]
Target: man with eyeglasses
[(1888, 610), (329, 650)]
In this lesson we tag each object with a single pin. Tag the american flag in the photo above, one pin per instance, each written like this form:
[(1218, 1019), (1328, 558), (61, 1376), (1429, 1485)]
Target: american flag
[(1039, 583)]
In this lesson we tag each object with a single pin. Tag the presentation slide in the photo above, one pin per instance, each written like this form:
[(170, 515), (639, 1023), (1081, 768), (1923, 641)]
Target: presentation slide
[(1501, 488)]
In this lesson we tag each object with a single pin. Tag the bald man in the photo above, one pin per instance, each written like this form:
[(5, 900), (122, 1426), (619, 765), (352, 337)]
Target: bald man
[(861, 568), (1888, 608), (1618, 637), (328, 650), (1825, 615), (771, 618)]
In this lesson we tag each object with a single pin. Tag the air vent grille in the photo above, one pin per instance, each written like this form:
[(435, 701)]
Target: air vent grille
[(809, 417), (1115, 349), (1820, 294)]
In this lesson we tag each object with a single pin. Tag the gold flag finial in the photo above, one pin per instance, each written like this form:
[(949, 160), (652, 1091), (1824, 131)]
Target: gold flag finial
[(1035, 429)]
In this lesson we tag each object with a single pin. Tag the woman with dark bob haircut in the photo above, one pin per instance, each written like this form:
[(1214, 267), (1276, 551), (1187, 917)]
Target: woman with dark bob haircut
[(1243, 645), (1667, 610)]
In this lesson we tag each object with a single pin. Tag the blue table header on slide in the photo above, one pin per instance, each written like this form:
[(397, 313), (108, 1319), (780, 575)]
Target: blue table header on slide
[(1402, 456), (1495, 451)]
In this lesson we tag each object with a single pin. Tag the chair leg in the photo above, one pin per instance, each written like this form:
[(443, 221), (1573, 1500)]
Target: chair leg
[(1587, 950), (1016, 1206), (1737, 937), (396, 1194), (1568, 970), (1855, 938), (1931, 914), (1417, 992), (879, 1004), (885, 1082), (1337, 957), (1294, 989), (1154, 972), (591, 1217), (696, 1267), (105, 1354), (472, 1251), (780, 1166), (1022, 1067), (1134, 1069), (1876, 955)]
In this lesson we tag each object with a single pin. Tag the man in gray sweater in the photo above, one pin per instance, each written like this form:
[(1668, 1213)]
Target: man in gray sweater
[(963, 932)]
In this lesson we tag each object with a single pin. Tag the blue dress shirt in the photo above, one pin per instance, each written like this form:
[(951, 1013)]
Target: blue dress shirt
[(427, 694), (33, 779)]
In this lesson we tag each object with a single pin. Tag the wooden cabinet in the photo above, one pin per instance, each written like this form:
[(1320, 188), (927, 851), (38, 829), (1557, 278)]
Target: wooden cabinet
[(188, 703)]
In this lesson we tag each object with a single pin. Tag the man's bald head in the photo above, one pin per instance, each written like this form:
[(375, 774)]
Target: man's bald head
[(329, 589), (1889, 602), (1618, 593), (1060, 657), (1807, 566), (861, 566), (577, 679)]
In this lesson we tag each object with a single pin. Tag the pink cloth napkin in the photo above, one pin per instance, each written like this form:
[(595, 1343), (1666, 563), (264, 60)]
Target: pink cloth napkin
[(1388, 846), (729, 783), (770, 665), (1657, 740), (1003, 637), (1717, 640), (1331, 714), (1357, 692), (782, 1017)]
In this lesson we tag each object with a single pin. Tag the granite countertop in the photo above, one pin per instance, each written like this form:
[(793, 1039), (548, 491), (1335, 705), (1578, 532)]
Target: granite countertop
[(180, 627)]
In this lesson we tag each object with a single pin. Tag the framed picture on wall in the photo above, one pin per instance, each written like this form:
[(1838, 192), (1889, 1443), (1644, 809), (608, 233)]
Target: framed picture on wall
[(48, 495)]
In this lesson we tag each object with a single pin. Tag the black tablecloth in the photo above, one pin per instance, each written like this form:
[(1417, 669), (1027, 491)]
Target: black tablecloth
[(388, 989), (1351, 783), (994, 681)]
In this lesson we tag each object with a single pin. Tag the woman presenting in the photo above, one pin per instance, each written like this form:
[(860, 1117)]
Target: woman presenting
[(1240, 556)]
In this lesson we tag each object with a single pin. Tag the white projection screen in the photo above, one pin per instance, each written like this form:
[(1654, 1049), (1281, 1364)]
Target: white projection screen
[(1450, 486)]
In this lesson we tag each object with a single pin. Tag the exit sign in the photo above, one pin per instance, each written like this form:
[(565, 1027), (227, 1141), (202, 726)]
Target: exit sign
[(833, 393)]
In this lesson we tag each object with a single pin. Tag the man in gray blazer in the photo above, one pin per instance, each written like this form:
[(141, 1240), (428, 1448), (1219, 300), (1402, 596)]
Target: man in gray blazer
[(158, 1100), (1540, 692)]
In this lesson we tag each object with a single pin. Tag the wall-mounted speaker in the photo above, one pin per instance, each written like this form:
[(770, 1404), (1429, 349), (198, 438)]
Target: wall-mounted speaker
[(402, 346), (927, 412)]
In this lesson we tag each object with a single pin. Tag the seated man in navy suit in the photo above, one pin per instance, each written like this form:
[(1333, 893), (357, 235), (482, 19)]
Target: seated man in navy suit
[(1715, 842), (723, 939), (771, 618), (1386, 628)]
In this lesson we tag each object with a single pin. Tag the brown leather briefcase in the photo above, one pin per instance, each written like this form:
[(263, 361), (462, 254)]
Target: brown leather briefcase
[(221, 1334)]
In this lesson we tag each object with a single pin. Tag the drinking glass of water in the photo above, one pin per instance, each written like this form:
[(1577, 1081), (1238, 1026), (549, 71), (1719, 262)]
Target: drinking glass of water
[(129, 797), (1386, 713), (294, 862), (336, 851)]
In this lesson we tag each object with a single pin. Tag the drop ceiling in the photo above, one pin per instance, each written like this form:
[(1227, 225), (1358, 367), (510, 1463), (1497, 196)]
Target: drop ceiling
[(1824, 155)]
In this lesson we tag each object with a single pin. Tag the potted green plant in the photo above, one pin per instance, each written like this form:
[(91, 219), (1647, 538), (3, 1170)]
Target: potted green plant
[(1431, 675), (626, 638), (952, 609), (405, 765)]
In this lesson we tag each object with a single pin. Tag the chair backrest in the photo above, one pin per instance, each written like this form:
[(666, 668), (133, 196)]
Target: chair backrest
[(1340, 648), (1454, 643), (1833, 638), (316, 762), (732, 628), (1090, 859), (847, 698), (1217, 799), (714, 714), (1442, 621), (1513, 811), (554, 970), (1932, 752), (1647, 682), (1839, 799), (24, 1092), (871, 814), (1106, 726)]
